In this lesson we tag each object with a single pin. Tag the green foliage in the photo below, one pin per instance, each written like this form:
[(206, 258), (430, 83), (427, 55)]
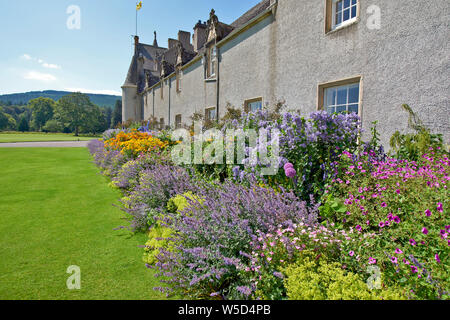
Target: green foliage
[(74, 110), (53, 126), (24, 98), (3, 119), (43, 109), (181, 202), (117, 114), (413, 145), (158, 238), (317, 279), (23, 125)]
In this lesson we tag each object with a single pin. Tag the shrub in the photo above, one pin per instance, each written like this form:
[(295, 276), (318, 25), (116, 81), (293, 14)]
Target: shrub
[(214, 235), (156, 186), (399, 211), (317, 279), (134, 143)]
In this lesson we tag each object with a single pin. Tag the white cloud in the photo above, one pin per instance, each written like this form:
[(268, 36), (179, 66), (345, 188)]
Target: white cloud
[(34, 75), (50, 66), (108, 92), (40, 61)]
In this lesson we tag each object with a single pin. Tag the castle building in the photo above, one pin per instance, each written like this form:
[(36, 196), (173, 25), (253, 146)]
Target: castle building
[(364, 56)]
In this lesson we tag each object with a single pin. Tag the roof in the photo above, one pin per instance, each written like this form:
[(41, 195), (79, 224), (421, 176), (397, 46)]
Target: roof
[(157, 59), (251, 14)]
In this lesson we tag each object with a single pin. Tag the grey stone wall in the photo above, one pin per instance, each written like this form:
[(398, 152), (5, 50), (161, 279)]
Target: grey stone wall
[(406, 61), (286, 57)]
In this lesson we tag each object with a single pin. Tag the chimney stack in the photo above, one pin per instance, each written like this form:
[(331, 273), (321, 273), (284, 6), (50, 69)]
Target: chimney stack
[(200, 35), (185, 39), (172, 43)]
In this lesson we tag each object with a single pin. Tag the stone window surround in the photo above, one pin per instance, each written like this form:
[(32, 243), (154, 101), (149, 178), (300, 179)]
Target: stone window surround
[(248, 101), (321, 91), (207, 112), (330, 17), (178, 121)]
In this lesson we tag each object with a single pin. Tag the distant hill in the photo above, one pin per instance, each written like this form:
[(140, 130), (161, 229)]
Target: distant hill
[(102, 100)]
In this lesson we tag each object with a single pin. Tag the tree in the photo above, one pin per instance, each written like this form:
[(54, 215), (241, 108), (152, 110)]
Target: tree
[(73, 111), (3, 120), (107, 112), (23, 124), (53, 126), (43, 109), (95, 121), (117, 114)]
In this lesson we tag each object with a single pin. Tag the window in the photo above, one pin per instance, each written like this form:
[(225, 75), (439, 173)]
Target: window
[(340, 13), (210, 114), (341, 96), (161, 88), (161, 124), (253, 105), (211, 67), (344, 11), (179, 73), (178, 121)]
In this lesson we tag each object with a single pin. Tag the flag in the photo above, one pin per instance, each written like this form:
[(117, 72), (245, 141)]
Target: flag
[(139, 6)]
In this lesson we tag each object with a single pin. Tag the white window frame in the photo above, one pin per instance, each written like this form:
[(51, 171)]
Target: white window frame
[(334, 13), (207, 114), (335, 105), (212, 62)]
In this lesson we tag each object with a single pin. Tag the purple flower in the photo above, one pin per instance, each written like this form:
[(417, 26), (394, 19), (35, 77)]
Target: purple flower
[(278, 275), (414, 269), (439, 207), (288, 165), (358, 227), (412, 242), (396, 219), (437, 258), (425, 231), (428, 213), (290, 173)]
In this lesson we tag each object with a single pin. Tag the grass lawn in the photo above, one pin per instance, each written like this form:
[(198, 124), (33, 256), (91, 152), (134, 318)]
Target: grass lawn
[(56, 211), (39, 137)]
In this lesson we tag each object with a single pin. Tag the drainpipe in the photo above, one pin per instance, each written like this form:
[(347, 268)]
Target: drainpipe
[(217, 82)]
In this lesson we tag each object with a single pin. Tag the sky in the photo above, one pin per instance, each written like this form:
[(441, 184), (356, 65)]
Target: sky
[(43, 47)]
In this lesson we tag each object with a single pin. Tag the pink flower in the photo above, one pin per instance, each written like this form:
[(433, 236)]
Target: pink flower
[(351, 253), (372, 260), (394, 260), (428, 213), (381, 224), (425, 231), (358, 227), (397, 191), (396, 219), (384, 205), (439, 207), (398, 251), (412, 242), (413, 269)]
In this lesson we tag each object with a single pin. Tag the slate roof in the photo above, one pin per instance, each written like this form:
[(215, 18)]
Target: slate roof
[(157, 59), (251, 14)]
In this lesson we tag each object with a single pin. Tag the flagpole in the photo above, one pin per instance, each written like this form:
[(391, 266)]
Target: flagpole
[(136, 19)]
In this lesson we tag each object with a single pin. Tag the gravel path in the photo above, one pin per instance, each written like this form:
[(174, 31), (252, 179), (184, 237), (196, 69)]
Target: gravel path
[(59, 144)]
